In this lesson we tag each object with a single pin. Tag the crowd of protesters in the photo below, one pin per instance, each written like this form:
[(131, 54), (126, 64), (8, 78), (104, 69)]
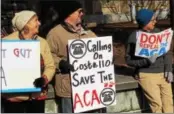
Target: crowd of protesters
[(154, 74)]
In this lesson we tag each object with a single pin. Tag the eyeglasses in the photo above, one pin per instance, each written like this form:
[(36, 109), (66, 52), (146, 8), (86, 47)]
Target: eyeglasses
[(81, 11), (153, 20)]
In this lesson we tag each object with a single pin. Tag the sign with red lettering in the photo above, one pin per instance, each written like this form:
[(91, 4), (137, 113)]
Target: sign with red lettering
[(93, 81), (149, 44), (20, 65)]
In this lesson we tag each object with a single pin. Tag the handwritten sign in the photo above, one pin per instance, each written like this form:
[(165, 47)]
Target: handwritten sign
[(93, 82), (20, 65), (149, 44)]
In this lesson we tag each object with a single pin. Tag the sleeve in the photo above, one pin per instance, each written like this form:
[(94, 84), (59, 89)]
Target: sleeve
[(138, 63), (168, 59), (49, 69), (131, 59), (53, 43)]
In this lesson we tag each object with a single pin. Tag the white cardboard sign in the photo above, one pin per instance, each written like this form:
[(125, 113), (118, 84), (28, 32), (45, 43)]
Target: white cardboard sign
[(93, 81), (149, 44), (20, 65)]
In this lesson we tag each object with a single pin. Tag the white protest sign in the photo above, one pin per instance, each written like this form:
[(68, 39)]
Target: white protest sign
[(149, 44), (20, 65), (93, 81)]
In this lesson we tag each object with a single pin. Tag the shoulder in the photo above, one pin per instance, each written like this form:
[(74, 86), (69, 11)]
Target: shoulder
[(12, 36), (56, 29), (55, 32), (41, 39)]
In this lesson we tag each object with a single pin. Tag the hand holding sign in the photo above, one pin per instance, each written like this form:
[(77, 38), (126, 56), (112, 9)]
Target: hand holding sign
[(40, 82), (65, 67)]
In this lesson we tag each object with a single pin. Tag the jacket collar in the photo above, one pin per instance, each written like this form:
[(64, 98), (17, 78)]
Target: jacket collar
[(69, 28), (21, 37)]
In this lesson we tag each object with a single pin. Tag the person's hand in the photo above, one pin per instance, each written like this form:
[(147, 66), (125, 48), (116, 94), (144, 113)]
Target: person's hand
[(40, 82), (168, 76), (153, 58), (65, 67)]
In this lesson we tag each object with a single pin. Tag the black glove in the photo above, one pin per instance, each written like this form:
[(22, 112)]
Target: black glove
[(39, 82), (65, 67)]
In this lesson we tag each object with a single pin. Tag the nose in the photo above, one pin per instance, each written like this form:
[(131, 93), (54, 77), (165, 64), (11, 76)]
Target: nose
[(154, 22), (81, 13), (39, 23)]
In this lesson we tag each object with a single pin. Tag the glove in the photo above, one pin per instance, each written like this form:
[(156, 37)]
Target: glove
[(153, 58), (168, 76), (40, 82), (65, 67)]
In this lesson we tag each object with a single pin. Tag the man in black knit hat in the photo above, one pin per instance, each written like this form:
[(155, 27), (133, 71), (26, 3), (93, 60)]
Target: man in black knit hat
[(70, 27)]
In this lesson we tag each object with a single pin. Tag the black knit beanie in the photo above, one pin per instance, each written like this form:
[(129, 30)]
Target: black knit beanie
[(67, 7)]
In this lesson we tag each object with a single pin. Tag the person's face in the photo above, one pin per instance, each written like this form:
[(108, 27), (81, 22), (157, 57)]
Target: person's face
[(33, 25), (151, 25), (76, 17)]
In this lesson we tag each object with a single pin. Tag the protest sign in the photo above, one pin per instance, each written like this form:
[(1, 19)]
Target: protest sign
[(20, 65), (149, 44), (93, 81)]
